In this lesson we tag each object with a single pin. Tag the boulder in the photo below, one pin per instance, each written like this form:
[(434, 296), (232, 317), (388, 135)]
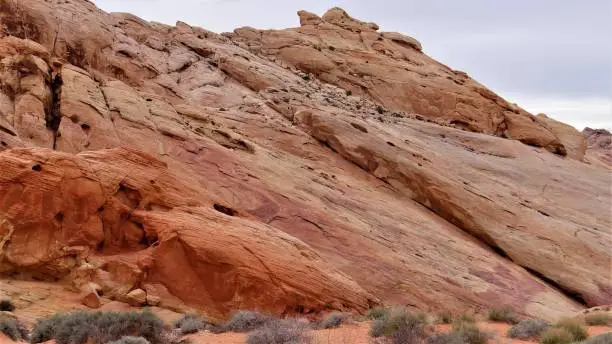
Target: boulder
[(90, 296), (136, 297)]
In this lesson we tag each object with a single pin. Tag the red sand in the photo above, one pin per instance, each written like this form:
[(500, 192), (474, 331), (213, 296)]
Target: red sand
[(358, 334)]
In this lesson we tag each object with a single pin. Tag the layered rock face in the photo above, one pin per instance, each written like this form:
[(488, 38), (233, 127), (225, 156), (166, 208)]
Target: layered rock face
[(391, 69), (599, 147), (283, 170)]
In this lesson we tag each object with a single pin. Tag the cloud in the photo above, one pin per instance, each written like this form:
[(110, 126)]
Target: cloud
[(594, 112)]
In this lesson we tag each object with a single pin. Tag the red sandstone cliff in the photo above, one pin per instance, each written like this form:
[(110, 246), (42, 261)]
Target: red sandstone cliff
[(328, 166)]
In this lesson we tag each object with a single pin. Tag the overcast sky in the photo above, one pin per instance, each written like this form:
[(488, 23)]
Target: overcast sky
[(551, 56)]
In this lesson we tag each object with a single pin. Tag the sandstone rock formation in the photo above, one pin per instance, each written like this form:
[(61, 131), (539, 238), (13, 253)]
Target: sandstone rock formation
[(391, 69), (283, 170), (599, 150)]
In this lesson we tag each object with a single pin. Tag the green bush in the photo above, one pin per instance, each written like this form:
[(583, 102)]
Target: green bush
[(190, 323), (333, 320), (280, 332), (556, 336), (574, 327), (6, 306), (394, 320), (528, 329), (503, 314), (604, 338), (244, 321), (13, 328), (598, 319), (100, 327), (470, 333), (377, 313)]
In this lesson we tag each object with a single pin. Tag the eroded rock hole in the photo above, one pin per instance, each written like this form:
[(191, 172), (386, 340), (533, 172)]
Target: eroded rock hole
[(59, 217), (128, 196), (85, 127), (36, 167), (225, 210)]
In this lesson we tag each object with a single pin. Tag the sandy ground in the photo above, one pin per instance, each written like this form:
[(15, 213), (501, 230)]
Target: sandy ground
[(349, 334), (358, 334)]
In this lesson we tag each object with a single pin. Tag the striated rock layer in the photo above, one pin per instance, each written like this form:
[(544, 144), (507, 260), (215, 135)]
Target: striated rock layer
[(599, 150), (283, 170)]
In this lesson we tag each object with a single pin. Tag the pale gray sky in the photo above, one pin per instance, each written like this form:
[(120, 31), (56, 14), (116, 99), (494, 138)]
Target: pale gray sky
[(551, 56)]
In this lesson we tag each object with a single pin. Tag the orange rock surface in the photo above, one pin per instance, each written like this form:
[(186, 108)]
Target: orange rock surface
[(213, 173)]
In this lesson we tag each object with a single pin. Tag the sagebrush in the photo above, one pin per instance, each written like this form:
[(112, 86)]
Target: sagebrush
[(574, 327), (470, 333), (503, 314), (244, 321), (556, 336), (394, 320), (528, 329), (280, 332), (445, 338), (13, 328), (130, 340), (98, 327), (190, 323), (333, 320), (376, 313)]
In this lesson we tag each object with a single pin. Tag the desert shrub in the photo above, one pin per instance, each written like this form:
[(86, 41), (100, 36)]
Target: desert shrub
[(376, 313), (130, 340), (380, 109), (6, 306), (99, 327), (394, 320), (466, 318), (445, 338), (528, 329), (503, 314), (598, 319), (470, 333), (244, 321), (574, 327), (280, 332), (604, 338), (556, 336), (445, 318), (333, 320), (190, 323), (409, 333), (13, 328)]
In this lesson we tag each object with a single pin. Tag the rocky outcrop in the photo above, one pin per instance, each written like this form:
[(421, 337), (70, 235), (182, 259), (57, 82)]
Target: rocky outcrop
[(599, 150), (260, 169), (574, 141), (61, 211), (391, 69)]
